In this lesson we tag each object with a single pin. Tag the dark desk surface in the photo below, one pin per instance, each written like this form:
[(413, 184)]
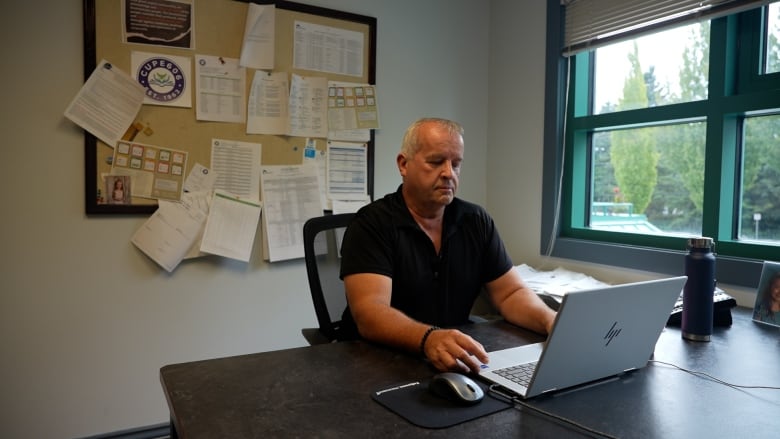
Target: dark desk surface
[(324, 391)]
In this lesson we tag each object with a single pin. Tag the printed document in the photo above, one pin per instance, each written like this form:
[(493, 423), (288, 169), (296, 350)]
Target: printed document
[(316, 157), (257, 51), (197, 187), (107, 103), (170, 232), (308, 107), (347, 171), (231, 226), (220, 89), (290, 197), (237, 165), (201, 179), (328, 49), (268, 104)]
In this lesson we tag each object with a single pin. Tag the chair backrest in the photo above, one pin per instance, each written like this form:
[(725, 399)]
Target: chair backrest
[(322, 252)]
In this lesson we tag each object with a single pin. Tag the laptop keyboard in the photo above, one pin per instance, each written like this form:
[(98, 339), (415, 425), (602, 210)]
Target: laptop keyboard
[(521, 374)]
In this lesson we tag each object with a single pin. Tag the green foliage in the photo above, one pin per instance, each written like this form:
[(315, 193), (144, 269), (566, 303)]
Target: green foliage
[(773, 52), (633, 154), (696, 66), (661, 169), (760, 177), (635, 158)]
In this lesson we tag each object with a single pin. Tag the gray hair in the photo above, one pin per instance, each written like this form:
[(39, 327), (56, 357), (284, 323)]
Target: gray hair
[(410, 144)]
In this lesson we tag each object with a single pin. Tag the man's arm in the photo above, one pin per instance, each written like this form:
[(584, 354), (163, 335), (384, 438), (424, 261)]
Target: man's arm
[(369, 296), (518, 304)]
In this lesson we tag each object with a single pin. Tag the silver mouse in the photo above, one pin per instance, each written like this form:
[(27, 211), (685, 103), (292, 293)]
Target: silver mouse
[(456, 387)]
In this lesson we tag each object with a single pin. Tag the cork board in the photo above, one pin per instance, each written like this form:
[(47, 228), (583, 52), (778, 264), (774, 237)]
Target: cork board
[(218, 30)]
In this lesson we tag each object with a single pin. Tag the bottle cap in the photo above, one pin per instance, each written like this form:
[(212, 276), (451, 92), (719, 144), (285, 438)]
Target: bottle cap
[(700, 242)]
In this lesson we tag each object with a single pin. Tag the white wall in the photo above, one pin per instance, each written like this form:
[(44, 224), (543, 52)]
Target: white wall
[(86, 320)]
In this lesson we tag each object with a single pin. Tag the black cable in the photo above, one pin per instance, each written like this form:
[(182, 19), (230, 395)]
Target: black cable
[(712, 378), (495, 392)]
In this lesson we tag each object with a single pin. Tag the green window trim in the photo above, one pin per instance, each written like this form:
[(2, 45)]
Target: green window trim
[(729, 100)]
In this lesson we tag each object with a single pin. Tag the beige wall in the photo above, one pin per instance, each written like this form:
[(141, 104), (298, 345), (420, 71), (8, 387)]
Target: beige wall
[(86, 320)]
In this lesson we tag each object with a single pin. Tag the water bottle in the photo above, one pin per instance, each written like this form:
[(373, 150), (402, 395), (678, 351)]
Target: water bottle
[(699, 290)]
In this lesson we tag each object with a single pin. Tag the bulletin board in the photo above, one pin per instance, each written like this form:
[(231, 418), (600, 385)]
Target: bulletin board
[(218, 28)]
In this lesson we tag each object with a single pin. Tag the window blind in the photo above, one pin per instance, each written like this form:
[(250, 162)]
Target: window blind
[(593, 23)]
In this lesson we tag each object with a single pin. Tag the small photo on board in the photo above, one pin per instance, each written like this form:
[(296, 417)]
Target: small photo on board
[(767, 309), (118, 189)]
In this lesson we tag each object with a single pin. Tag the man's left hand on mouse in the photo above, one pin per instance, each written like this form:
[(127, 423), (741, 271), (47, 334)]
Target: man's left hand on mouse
[(452, 350)]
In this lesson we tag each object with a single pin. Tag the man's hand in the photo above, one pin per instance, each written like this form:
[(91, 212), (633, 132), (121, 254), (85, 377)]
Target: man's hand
[(452, 350)]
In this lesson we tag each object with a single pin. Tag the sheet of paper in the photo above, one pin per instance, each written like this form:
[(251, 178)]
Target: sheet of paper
[(268, 104), (198, 192), (231, 226), (237, 165), (290, 197), (355, 136), (257, 51), (107, 103), (556, 282), (308, 107), (200, 179), (352, 106), (156, 171), (316, 157), (166, 78), (346, 206), (328, 49), (169, 233), (200, 200), (349, 206), (347, 171), (220, 89)]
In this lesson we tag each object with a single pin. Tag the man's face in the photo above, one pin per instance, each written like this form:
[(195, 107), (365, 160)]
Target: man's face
[(431, 175)]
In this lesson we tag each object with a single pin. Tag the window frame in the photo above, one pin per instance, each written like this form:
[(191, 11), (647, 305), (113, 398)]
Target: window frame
[(730, 99)]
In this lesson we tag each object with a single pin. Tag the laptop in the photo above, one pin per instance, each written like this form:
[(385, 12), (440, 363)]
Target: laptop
[(597, 334)]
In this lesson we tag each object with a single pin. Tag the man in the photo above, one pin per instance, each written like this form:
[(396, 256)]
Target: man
[(416, 260)]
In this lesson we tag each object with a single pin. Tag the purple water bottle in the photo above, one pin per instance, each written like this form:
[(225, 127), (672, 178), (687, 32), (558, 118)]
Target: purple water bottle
[(699, 290)]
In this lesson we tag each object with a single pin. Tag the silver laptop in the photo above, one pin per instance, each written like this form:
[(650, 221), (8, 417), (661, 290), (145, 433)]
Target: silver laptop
[(597, 334)]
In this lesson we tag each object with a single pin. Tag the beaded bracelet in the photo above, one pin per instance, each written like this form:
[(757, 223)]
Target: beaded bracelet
[(425, 338)]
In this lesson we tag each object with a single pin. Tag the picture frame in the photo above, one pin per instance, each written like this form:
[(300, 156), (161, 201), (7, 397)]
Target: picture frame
[(118, 189), (767, 307)]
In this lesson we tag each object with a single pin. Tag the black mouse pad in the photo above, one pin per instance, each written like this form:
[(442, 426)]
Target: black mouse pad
[(415, 403)]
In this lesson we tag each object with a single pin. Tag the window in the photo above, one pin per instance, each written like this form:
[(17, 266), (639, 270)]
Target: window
[(760, 182), (772, 42), (665, 136)]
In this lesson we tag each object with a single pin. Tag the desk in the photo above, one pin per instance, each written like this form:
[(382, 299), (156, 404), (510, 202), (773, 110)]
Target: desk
[(324, 391)]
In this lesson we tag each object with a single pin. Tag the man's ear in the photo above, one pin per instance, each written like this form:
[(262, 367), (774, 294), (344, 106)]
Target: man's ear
[(401, 161)]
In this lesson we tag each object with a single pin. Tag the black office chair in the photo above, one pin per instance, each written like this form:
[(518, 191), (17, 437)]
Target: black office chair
[(321, 246)]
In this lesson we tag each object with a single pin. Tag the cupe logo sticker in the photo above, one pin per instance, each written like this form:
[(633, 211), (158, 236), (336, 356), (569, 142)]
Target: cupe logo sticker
[(162, 78)]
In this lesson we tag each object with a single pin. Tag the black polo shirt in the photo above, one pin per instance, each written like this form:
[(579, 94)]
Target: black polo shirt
[(439, 289)]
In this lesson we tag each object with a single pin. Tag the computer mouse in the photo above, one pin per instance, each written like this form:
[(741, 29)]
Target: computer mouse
[(456, 387)]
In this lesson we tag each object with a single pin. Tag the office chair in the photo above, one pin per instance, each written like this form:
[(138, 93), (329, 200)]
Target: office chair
[(321, 246)]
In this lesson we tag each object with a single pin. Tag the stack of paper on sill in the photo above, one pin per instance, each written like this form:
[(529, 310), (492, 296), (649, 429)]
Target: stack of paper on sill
[(556, 283)]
